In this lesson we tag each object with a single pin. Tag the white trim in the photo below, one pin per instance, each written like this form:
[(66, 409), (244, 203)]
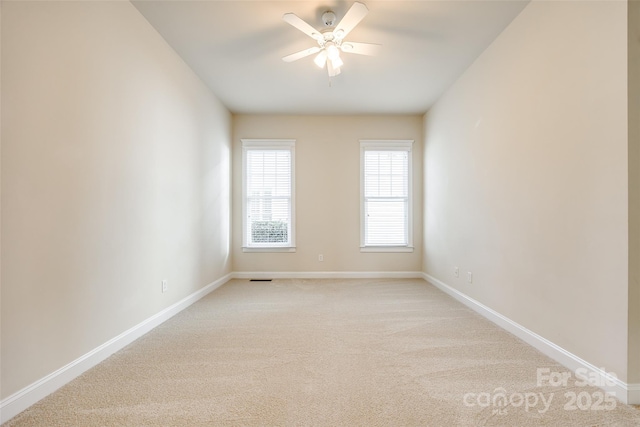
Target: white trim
[(388, 249), (327, 275), (633, 396), (269, 249), (21, 400), (270, 144), (626, 393), (387, 145)]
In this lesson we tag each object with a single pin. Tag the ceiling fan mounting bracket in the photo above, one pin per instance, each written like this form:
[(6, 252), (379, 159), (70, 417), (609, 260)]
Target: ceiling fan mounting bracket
[(329, 18)]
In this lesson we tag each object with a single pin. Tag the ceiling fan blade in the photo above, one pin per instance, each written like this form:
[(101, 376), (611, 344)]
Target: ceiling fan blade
[(351, 19), (301, 54), (294, 20), (360, 48)]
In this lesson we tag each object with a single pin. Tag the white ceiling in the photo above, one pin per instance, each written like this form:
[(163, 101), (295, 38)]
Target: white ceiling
[(236, 48)]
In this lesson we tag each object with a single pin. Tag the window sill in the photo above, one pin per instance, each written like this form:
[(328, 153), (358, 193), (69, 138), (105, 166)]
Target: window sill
[(386, 249), (269, 249)]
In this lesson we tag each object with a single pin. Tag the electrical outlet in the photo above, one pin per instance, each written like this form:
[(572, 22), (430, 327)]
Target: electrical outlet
[(456, 271), (165, 285), (320, 257), (469, 277)]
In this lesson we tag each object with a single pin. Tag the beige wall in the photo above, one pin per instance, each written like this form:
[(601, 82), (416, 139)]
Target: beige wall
[(634, 189), (0, 195), (115, 175), (526, 178), (327, 191)]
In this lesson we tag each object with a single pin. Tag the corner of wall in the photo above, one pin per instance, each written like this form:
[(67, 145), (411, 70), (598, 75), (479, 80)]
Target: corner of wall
[(633, 99)]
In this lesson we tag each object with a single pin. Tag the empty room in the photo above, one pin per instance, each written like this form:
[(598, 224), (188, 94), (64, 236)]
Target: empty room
[(320, 213)]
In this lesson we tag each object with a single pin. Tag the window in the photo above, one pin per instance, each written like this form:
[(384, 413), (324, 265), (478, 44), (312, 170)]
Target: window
[(385, 186), (268, 195)]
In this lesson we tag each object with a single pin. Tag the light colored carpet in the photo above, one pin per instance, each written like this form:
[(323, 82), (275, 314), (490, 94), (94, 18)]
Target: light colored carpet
[(324, 353)]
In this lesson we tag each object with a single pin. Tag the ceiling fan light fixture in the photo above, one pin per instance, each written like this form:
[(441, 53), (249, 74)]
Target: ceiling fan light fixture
[(330, 40), (332, 51), (321, 59), (332, 71)]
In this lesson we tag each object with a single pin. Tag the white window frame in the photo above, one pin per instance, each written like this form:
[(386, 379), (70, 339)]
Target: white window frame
[(268, 144), (387, 145)]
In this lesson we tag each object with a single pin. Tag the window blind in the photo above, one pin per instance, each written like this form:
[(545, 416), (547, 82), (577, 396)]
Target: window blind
[(386, 197), (268, 197)]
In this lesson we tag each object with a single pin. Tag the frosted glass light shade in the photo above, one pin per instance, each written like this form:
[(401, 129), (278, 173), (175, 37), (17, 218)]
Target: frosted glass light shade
[(321, 59)]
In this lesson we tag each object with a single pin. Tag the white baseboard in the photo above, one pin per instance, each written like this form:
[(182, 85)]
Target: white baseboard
[(327, 275), (633, 394), (626, 393), (21, 400)]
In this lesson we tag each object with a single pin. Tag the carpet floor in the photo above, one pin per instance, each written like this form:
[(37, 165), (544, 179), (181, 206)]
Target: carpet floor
[(327, 353)]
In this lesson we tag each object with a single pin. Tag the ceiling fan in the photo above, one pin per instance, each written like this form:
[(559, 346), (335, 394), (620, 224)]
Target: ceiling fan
[(331, 39)]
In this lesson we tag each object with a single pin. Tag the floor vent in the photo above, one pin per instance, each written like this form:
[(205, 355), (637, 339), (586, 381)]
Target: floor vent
[(260, 280)]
